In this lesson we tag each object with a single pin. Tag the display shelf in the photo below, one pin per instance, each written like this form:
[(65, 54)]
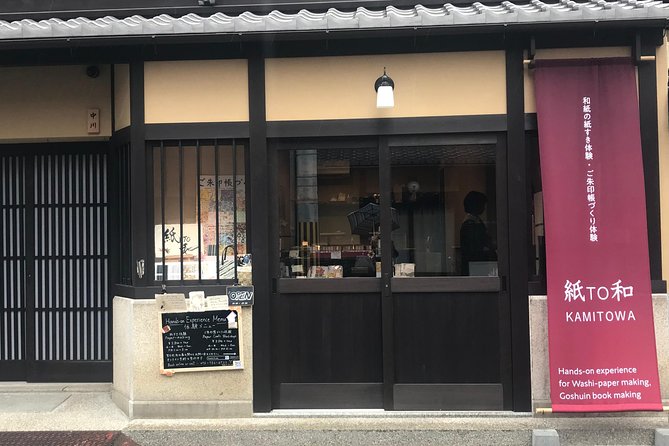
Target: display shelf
[(351, 261)]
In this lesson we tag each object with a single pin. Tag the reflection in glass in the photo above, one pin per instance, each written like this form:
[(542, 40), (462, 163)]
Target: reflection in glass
[(321, 194), (441, 231), (476, 245)]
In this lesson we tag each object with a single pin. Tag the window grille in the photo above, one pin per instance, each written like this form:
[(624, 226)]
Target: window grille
[(199, 210)]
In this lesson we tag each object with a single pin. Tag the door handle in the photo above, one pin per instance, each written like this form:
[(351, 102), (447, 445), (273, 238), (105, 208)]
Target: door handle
[(385, 285)]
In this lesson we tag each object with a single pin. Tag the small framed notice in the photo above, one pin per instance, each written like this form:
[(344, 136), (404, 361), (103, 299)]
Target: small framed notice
[(93, 121), (240, 295)]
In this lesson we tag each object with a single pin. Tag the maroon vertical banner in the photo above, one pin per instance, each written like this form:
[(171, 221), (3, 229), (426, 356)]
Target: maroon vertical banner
[(600, 316)]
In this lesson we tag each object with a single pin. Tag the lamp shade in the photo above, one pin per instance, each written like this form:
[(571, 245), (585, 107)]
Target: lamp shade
[(385, 97), (384, 87)]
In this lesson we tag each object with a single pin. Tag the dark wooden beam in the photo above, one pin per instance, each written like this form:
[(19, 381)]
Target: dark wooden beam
[(387, 126), (650, 148), (387, 299), (519, 226), (503, 295), (259, 234), (138, 176), (197, 130)]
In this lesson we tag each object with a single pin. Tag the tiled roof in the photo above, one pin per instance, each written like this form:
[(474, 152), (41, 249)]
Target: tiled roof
[(391, 17)]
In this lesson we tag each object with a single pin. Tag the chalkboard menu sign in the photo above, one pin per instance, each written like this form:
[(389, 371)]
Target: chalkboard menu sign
[(203, 340)]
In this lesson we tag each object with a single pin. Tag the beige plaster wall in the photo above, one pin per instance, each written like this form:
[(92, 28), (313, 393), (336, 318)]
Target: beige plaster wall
[(196, 91), (567, 53), (121, 96), (662, 65), (51, 103), (437, 84), (540, 373), (142, 392)]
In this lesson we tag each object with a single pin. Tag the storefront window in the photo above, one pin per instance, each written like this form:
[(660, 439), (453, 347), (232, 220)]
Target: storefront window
[(199, 211), (444, 199), (328, 213)]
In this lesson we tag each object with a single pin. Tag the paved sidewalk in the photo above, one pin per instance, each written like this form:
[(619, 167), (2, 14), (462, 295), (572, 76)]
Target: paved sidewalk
[(398, 429), (84, 415), (59, 407), (51, 438), (60, 415)]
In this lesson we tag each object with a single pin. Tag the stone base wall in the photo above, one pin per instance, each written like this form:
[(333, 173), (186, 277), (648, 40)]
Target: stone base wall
[(539, 348), (142, 392)]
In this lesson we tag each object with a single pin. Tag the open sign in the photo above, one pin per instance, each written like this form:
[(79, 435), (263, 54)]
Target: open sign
[(240, 295)]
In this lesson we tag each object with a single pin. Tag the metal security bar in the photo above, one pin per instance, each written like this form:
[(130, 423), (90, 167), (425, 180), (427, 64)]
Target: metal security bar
[(199, 193)]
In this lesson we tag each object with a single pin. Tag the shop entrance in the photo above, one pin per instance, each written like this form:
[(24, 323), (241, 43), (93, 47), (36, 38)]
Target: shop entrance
[(392, 256), (55, 318)]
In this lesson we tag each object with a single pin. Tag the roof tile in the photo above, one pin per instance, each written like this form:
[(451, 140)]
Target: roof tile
[(363, 18)]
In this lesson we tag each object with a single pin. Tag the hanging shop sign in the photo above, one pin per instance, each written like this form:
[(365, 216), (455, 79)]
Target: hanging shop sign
[(600, 315), (240, 295)]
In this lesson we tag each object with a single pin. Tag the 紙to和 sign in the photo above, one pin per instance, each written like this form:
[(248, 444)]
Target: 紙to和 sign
[(600, 315)]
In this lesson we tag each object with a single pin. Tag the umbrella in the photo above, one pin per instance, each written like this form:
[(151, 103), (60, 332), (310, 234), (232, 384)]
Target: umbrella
[(366, 220)]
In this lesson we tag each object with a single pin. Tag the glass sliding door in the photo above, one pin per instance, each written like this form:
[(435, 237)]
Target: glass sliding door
[(329, 213), (448, 254), (445, 199), (390, 266), (327, 335)]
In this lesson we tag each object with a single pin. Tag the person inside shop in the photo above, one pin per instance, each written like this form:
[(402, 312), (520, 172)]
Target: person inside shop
[(475, 242)]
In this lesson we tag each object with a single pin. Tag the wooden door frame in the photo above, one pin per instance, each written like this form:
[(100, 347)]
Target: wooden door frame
[(384, 284)]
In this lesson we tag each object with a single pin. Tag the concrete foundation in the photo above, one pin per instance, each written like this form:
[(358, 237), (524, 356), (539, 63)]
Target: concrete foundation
[(661, 437), (545, 437), (142, 392)]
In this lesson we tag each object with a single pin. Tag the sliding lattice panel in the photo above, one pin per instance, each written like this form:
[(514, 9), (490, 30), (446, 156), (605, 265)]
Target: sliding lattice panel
[(71, 258), (12, 273)]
